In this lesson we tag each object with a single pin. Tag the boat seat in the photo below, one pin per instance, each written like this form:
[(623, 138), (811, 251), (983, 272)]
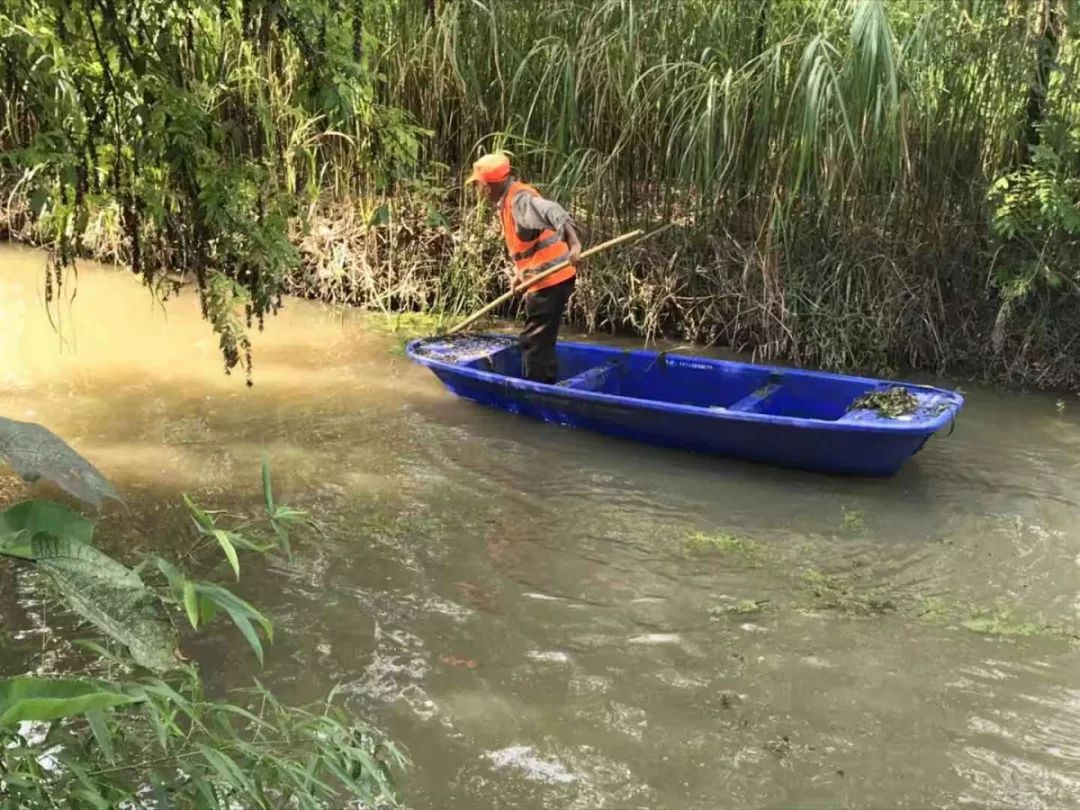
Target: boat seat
[(591, 379), (751, 402)]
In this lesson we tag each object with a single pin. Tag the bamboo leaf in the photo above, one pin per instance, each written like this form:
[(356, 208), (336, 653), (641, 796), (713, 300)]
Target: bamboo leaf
[(99, 726), (173, 575), (30, 698), (201, 516), (242, 614), (191, 603), (268, 492), (226, 768), (207, 610), (227, 546)]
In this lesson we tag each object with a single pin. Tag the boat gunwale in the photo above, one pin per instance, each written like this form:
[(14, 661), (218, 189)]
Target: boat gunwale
[(921, 427)]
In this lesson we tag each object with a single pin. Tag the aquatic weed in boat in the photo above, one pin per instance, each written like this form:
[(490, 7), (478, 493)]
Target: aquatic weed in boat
[(891, 403), (462, 348)]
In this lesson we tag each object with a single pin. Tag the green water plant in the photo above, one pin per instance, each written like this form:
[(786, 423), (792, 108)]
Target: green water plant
[(133, 727), (723, 543), (835, 593)]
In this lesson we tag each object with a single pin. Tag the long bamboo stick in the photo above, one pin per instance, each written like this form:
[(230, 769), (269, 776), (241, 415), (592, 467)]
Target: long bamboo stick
[(540, 277)]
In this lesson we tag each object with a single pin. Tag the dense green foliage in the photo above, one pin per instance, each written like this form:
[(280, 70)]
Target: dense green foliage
[(131, 726), (194, 132), (854, 182)]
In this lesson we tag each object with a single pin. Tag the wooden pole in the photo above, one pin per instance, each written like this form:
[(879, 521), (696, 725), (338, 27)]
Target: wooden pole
[(540, 277)]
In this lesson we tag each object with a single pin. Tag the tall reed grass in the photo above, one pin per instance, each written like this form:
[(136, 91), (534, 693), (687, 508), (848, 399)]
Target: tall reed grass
[(827, 162)]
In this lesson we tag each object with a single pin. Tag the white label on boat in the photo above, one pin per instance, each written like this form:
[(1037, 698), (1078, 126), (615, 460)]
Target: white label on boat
[(690, 364)]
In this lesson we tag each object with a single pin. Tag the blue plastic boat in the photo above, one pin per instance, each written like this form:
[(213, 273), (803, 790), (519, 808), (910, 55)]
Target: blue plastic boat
[(789, 417)]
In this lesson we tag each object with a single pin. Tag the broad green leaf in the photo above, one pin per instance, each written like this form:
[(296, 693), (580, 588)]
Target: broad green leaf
[(17, 544), (28, 698), (191, 603), (230, 550), (111, 597), (35, 452), (19, 524)]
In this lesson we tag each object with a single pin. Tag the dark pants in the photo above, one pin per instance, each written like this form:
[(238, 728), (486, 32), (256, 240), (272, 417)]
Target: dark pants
[(543, 314)]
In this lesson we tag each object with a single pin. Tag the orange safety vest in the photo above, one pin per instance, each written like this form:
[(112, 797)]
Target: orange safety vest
[(535, 255)]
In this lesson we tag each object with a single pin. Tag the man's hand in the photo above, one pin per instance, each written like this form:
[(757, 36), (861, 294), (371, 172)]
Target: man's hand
[(573, 243)]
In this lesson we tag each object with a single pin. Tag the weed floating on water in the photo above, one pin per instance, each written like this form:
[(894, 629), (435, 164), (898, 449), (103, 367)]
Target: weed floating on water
[(853, 519), (744, 607), (835, 594), (723, 543)]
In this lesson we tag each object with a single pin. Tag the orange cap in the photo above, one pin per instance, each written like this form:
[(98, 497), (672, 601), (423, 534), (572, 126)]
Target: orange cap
[(490, 168)]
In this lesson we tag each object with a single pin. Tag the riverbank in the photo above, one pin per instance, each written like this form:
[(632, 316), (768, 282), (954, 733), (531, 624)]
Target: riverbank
[(868, 305), (862, 186)]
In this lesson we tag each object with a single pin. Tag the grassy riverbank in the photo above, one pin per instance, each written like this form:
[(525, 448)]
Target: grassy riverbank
[(852, 184)]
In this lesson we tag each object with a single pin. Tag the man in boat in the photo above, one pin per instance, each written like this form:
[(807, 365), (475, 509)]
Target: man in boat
[(539, 235)]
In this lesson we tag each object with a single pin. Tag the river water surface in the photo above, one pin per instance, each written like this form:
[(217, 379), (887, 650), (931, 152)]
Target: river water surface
[(551, 619)]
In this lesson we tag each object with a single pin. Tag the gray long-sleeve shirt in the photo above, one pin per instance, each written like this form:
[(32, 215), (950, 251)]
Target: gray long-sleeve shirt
[(536, 213), (533, 214)]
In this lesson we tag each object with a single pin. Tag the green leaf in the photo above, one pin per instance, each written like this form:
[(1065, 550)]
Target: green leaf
[(226, 768), (17, 544), (176, 579), (35, 452), (282, 532), (202, 787), (111, 597), (268, 492), (230, 550), (38, 200), (241, 613), (240, 541), (207, 610), (28, 698), (282, 518), (435, 218), (19, 524), (100, 728), (191, 603), (202, 518), (380, 216)]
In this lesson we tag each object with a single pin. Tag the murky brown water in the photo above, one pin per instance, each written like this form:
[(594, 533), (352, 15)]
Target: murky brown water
[(612, 665)]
